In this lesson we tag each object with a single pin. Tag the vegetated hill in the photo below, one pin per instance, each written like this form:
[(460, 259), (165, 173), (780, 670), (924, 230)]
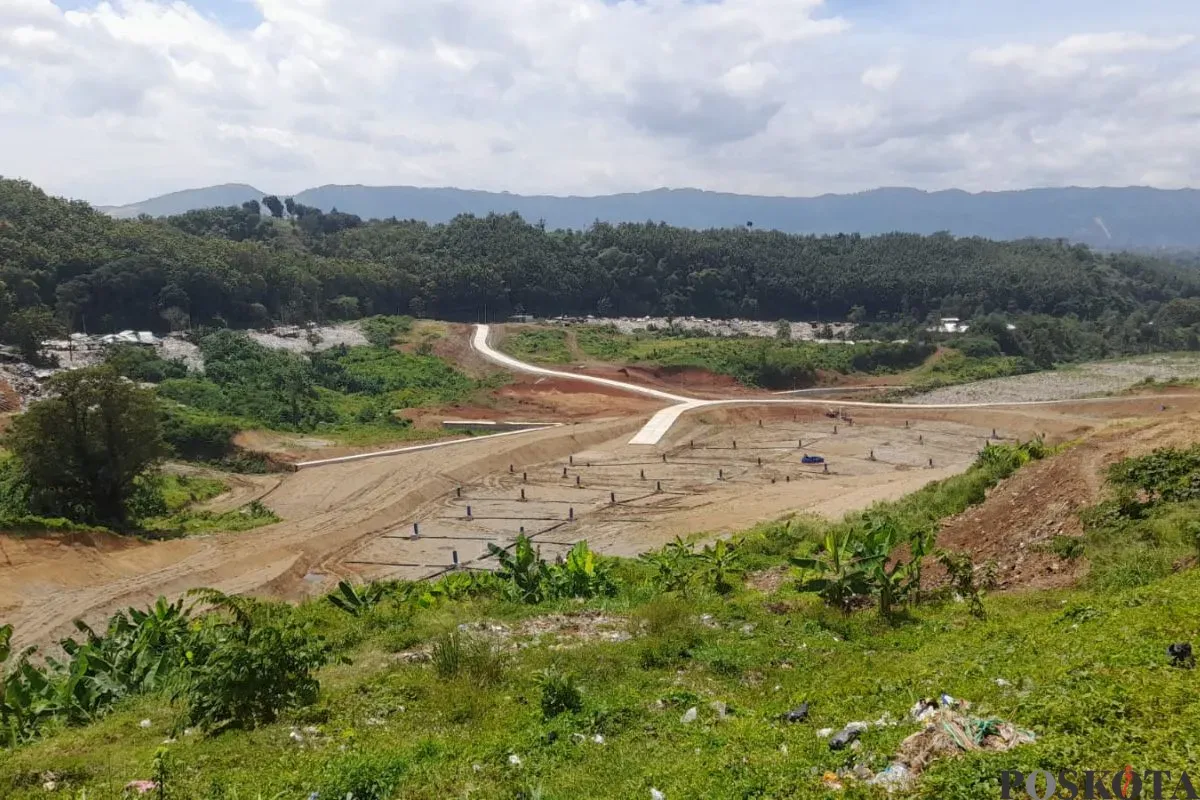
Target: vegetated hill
[(231, 266), (1109, 218), (227, 194)]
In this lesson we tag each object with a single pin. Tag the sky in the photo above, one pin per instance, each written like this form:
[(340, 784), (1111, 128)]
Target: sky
[(114, 102)]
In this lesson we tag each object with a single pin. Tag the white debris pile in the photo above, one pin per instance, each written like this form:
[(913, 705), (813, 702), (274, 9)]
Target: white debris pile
[(803, 331), (303, 339), (176, 348)]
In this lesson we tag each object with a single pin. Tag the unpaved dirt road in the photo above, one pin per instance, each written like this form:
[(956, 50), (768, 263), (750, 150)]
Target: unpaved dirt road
[(715, 470)]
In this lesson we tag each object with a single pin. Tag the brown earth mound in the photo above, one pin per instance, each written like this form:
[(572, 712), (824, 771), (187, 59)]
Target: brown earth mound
[(1020, 517)]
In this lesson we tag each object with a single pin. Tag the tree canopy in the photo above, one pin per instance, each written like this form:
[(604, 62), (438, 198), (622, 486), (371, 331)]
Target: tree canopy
[(239, 267), (83, 448)]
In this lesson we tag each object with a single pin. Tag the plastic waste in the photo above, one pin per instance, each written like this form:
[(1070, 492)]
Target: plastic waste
[(655, 794), (895, 777), (797, 714), (843, 738), (1181, 654)]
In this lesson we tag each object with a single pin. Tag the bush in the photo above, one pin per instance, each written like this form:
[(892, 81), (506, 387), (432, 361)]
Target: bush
[(143, 364), (457, 654), (1166, 475), (361, 776), (242, 675), (559, 693)]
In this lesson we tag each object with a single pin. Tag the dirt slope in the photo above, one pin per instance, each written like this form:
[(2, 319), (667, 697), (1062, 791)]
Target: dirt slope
[(1021, 515)]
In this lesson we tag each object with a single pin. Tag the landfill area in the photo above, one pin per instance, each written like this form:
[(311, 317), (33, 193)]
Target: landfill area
[(800, 331), (719, 471)]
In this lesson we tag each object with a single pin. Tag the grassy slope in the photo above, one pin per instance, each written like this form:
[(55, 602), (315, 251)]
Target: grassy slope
[(741, 357), (1086, 670)]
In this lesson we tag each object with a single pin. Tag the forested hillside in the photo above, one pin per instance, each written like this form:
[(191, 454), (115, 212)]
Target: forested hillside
[(248, 265)]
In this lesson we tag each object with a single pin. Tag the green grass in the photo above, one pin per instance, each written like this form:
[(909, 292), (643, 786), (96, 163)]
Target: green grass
[(768, 363), (382, 331), (347, 393), (1085, 669), (539, 346), (955, 368)]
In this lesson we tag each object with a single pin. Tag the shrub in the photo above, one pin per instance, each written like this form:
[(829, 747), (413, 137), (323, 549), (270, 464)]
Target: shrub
[(457, 654), (1166, 475), (559, 693), (242, 675), (361, 776)]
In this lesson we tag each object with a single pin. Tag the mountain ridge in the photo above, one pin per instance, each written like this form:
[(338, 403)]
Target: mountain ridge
[(1134, 217)]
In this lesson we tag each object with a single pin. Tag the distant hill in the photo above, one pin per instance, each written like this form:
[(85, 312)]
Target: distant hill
[(227, 194), (1110, 218)]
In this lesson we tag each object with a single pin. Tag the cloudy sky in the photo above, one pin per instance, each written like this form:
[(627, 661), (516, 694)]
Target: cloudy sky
[(116, 101)]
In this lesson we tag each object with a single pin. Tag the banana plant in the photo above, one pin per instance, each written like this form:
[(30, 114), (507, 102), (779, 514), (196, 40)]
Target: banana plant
[(524, 575), (834, 573), (673, 566), (357, 602), (718, 563), (582, 574)]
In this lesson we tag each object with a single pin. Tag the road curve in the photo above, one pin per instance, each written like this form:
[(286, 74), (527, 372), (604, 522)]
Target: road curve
[(662, 421)]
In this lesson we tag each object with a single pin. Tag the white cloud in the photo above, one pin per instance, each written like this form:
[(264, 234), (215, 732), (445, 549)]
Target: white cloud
[(882, 77), (582, 96)]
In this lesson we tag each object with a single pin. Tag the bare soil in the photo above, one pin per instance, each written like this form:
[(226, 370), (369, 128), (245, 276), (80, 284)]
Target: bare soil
[(356, 519), (1022, 515)]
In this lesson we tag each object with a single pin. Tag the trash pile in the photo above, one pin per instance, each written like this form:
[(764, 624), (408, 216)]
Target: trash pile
[(949, 730)]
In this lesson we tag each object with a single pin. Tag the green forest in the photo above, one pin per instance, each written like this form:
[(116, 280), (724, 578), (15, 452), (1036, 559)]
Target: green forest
[(64, 263)]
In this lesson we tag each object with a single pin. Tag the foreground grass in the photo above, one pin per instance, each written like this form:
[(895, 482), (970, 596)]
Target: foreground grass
[(1084, 669)]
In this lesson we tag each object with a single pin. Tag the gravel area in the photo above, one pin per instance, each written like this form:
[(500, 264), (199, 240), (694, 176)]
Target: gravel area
[(1085, 380)]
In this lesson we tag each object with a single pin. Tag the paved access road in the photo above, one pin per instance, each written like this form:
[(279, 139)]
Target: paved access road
[(662, 421)]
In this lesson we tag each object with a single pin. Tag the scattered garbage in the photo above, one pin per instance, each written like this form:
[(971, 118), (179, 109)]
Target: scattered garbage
[(296, 737), (896, 777), (689, 716), (1002, 683), (797, 714), (144, 724), (598, 739), (1181, 655), (948, 731), (846, 735), (812, 460), (655, 794), (514, 759), (832, 781)]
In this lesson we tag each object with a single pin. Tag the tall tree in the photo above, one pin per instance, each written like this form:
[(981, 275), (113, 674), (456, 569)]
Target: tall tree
[(273, 205), (84, 446), (27, 328)]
